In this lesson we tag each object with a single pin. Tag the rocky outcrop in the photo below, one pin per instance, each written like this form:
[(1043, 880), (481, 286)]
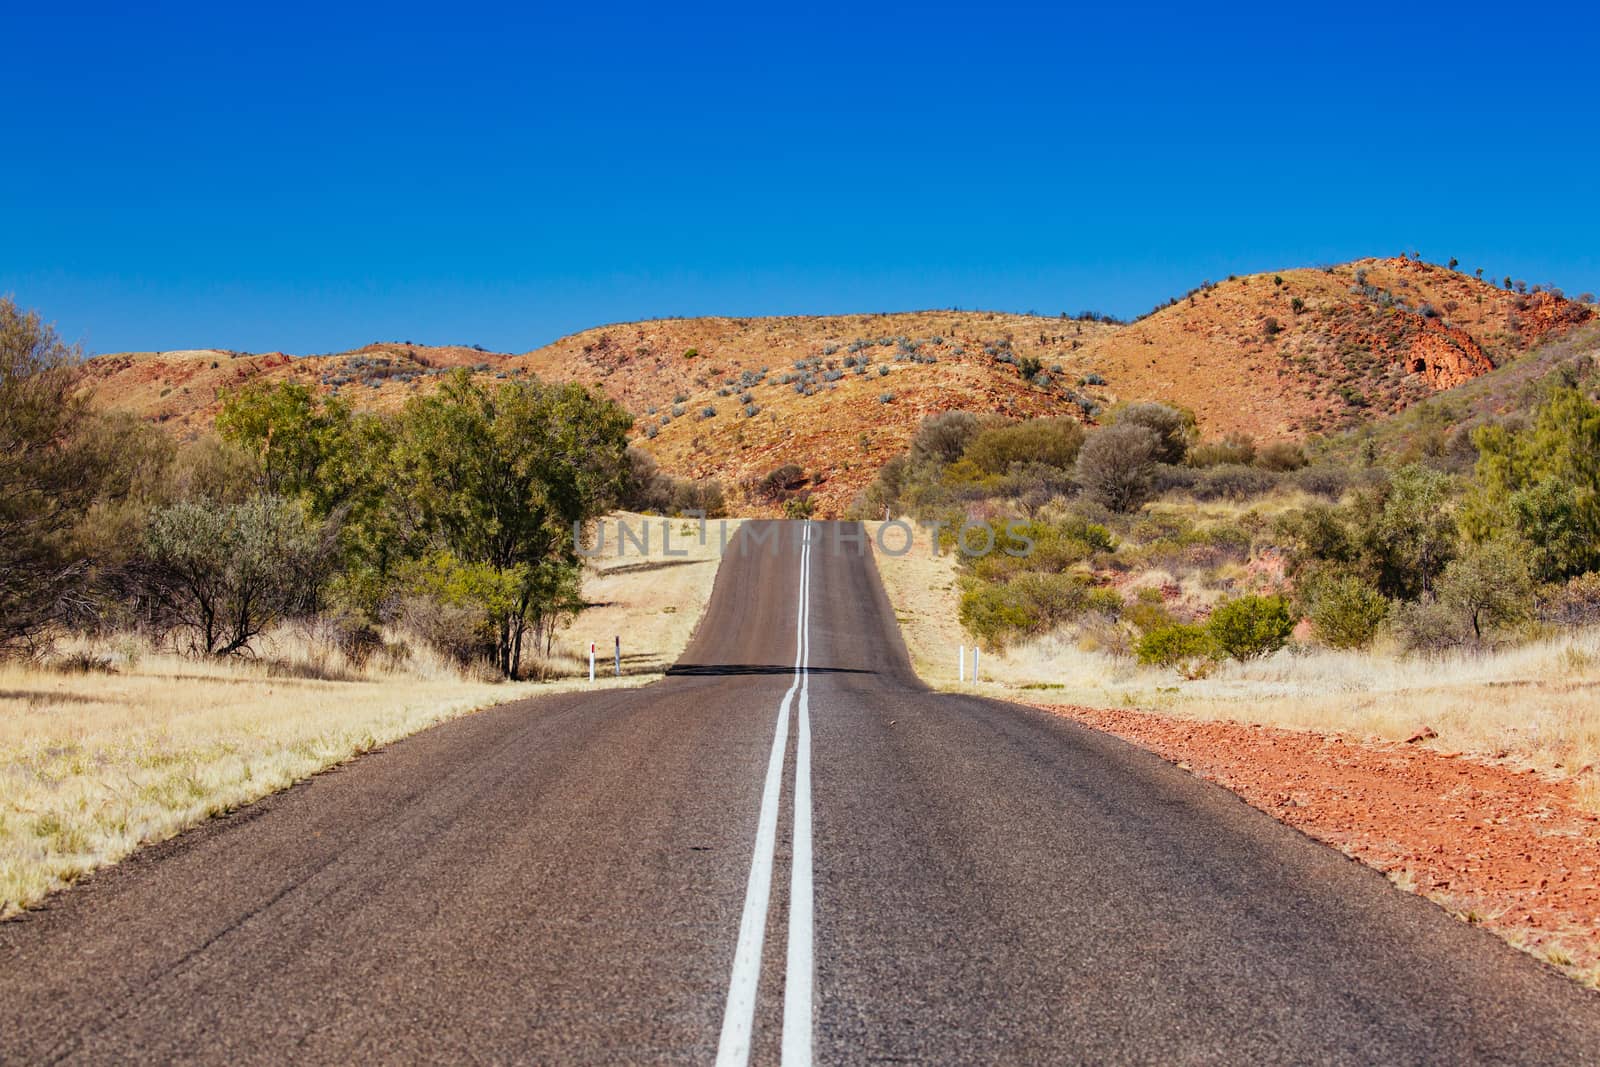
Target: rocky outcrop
[(1445, 356)]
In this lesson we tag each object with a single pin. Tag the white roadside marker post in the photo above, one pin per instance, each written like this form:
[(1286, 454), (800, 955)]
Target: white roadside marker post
[(961, 663), (974, 664), (591, 661), (619, 655)]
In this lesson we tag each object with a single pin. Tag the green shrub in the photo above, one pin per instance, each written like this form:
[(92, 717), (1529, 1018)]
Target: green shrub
[(1184, 647), (1053, 442), (798, 507), (1030, 602), (1148, 611), (1251, 626), (994, 613), (1542, 484), (1346, 611)]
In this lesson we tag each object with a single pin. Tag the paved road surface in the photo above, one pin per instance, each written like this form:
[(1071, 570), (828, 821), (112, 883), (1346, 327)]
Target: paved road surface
[(571, 879)]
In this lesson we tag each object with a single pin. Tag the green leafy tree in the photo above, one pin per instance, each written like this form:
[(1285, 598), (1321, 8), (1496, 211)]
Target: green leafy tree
[(1489, 587), (502, 478), (1408, 532), (337, 463), (295, 435), (1541, 486), (67, 476)]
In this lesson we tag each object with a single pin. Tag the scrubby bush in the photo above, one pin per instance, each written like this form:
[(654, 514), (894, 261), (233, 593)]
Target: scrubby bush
[(1346, 611), (997, 613), (944, 438), (1172, 428), (1053, 442), (1251, 626), (1574, 603), (798, 507), (1325, 480), (1116, 465), (1232, 482), (1184, 647), (1234, 448), (218, 574), (1147, 611), (779, 483), (1427, 626), (1281, 456), (457, 631)]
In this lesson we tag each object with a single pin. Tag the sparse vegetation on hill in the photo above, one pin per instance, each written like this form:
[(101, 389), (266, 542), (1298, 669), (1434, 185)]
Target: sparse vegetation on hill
[(1282, 356), (1205, 549)]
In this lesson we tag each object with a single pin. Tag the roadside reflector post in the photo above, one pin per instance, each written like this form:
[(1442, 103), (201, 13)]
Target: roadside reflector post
[(619, 655), (961, 663), (974, 664), (591, 661)]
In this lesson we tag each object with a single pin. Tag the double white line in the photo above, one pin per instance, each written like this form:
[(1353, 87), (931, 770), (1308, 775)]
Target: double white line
[(739, 1017)]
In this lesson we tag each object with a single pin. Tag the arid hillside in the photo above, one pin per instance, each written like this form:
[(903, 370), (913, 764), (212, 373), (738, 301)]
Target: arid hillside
[(183, 389), (1282, 355), (1314, 350)]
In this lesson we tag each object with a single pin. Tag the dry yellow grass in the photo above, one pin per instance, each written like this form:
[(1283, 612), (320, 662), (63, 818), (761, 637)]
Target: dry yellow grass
[(1538, 704), (653, 601), (94, 764)]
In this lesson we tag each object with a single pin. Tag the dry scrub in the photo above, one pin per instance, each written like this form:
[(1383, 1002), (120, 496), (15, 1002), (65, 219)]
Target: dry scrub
[(1538, 704), (94, 763)]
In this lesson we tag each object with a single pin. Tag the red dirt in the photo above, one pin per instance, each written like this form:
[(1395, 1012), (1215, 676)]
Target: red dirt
[(1490, 842)]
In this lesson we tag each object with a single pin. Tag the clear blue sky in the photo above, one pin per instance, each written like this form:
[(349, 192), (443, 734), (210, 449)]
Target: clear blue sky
[(309, 181)]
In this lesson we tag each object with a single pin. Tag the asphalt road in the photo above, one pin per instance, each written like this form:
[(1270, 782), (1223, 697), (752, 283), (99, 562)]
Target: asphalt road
[(570, 879)]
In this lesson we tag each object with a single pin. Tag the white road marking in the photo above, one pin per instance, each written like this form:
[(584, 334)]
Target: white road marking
[(738, 1019), (800, 967)]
